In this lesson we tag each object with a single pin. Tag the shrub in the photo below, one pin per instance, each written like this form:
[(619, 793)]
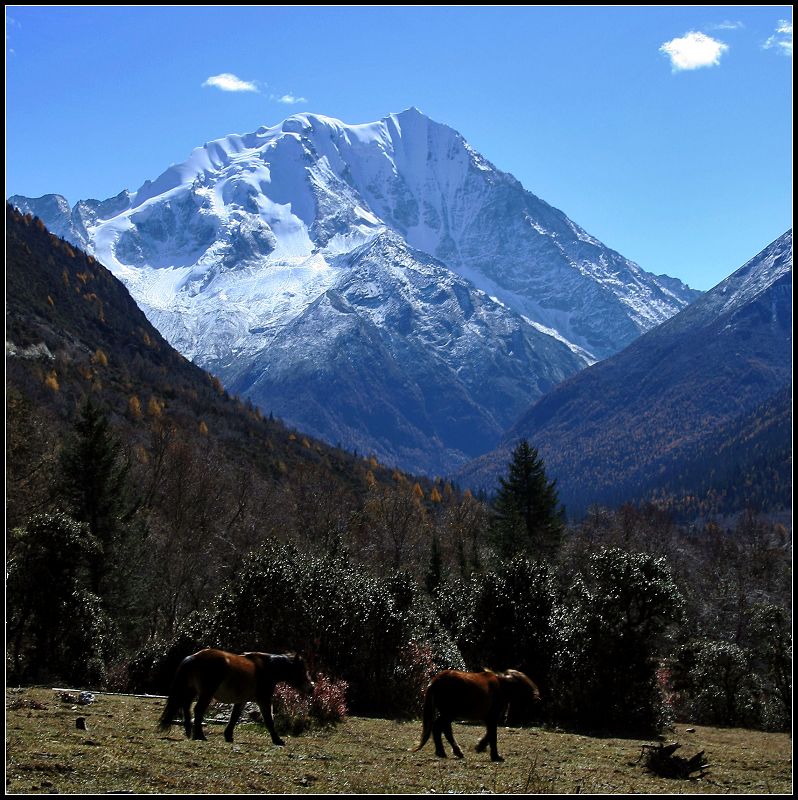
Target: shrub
[(502, 619), (717, 683), (346, 623), (57, 628), (296, 713), (611, 627), (747, 682), (154, 665), (771, 646)]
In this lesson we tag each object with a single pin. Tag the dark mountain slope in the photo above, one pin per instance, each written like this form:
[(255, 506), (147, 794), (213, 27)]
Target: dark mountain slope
[(746, 463), (72, 330), (628, 426)]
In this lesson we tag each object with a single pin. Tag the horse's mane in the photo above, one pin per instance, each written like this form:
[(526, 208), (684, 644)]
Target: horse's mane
[(515, 675)]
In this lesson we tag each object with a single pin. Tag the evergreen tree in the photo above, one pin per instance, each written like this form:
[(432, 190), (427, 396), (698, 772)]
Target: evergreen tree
[(434, 575), (92, 480), (528, 517)]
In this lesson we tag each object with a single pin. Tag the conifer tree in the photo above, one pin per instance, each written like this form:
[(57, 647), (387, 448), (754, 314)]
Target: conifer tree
[(92, 481), (434, 575), (528, 517)]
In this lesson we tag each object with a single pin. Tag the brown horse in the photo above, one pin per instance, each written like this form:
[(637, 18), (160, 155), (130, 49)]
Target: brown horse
[(480, 696), (231, 678)]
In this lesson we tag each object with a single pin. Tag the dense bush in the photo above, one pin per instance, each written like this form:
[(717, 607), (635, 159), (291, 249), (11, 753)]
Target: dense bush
[(725, 683), (593, 642), (611, 627), (502, 619), (717, 683), (57, 628), (154, 666), (771, 644), (378, 634)]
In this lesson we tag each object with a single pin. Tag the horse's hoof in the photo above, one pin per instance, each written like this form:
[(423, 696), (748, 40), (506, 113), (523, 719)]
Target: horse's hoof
[(496, 758), (279, 743), (441, 755), (458, 753)]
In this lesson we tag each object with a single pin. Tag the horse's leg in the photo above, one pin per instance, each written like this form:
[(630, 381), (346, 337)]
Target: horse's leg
[(483, 743), (234, 715), (187, 716), (447, 732), (203, 701), (491, 737), (265, 706), (437, 728)]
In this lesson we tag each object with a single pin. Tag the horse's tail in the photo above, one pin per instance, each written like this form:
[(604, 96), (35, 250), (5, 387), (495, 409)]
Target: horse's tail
[(428, 715), (169, 713), (175, 698)]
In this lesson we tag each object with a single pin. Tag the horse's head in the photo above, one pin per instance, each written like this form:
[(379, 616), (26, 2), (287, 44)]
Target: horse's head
[(519, 688), (298, 675)]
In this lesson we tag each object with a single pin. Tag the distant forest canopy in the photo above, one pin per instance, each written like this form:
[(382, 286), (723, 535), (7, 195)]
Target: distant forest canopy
[(179, 517)]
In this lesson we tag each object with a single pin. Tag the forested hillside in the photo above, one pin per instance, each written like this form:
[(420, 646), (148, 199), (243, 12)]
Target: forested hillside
[(207, 476), (151, 514)]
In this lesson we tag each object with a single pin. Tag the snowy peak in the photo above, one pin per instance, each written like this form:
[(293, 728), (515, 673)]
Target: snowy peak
[(742, 289), (314, 182), (754, 277), (280, 253)]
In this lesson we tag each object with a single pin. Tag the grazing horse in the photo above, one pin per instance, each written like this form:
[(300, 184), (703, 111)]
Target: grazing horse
[(480, 696), (231, 678)]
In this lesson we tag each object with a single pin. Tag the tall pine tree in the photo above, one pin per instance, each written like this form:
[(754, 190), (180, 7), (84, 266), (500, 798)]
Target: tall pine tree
[(528, 517), (93, 482)]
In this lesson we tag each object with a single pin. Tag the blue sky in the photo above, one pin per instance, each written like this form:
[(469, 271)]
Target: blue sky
[(665, 132)]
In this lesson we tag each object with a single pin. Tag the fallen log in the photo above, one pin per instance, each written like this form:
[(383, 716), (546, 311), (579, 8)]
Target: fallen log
[(662, 760)]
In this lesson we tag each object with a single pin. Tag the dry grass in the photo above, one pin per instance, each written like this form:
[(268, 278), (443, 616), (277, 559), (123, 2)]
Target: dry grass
[(121, 750)]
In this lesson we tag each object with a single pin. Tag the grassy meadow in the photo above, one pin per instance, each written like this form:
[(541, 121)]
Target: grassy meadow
[(122, 751)]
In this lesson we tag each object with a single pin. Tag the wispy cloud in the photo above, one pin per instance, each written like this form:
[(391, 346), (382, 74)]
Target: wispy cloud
[(694, 50), (11, 23), (289, 99), (228, 82), (781, 39), (727, 25)]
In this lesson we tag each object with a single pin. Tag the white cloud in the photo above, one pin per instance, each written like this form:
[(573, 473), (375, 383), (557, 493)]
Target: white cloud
[(289, 99), (781, 39), (228, 82), (727, 25), (693, 50)]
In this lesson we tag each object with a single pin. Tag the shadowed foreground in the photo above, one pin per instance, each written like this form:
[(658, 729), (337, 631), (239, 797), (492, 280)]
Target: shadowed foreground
[(121, 750)]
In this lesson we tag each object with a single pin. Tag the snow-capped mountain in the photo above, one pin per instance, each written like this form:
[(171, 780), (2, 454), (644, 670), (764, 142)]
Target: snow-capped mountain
[(651, 416), (389, 260)]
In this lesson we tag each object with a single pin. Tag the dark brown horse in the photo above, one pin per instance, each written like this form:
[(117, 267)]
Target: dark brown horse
[(231, 678), (479, 696)]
